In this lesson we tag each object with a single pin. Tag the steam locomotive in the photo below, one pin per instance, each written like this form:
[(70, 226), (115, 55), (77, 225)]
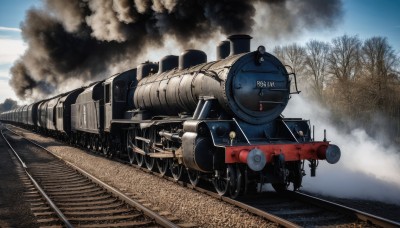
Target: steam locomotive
[(218, 121)]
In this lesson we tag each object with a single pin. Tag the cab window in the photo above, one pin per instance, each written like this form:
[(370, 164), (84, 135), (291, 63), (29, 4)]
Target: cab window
[(119, 91), (107, 95)]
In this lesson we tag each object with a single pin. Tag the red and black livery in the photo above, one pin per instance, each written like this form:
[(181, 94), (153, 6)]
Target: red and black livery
[(218, 121)]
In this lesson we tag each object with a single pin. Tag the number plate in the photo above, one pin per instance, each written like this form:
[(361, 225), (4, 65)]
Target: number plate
[(265, 84)]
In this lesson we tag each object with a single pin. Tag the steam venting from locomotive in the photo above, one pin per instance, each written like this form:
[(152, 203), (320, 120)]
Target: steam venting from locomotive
[(367, 170), (86, 39)]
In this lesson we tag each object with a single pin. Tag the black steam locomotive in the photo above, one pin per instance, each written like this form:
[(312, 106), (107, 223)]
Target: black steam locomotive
[(219, 121)]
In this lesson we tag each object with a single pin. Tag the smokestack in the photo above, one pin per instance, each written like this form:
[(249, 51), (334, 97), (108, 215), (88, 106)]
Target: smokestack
[(239, 44), (223, 49)]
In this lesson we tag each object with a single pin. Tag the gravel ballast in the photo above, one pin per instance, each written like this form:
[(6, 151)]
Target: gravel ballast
[(186, 204)]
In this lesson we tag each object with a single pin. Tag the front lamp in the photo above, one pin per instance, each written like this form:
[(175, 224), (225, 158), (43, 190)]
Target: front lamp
[(261, 50), (260, 55)]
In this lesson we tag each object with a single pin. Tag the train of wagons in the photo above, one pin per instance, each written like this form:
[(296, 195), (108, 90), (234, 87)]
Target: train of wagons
[(218, 121)]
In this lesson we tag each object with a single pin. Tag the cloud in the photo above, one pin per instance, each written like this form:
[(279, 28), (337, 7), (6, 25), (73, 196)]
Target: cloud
[(6, 91), (10, 29), (11, 50)]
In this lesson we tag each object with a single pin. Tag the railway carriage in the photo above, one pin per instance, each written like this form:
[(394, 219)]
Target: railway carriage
[(42, 116), (87, 116), (63, 113), (24, 115), (32, 115), (51, 115)]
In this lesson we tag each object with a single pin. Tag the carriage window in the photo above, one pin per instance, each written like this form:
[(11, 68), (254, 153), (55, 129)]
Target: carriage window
[(119, 91), (107, 95)]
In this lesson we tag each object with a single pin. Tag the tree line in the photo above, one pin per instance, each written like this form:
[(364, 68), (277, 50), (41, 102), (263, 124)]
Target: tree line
[(357, 80), (8, 104)]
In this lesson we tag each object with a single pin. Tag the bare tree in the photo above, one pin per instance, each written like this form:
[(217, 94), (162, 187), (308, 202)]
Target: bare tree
[(344, 64), (279, 53), (379, 62), (344, 58), (380, 82), (316, 65), (294, 56)]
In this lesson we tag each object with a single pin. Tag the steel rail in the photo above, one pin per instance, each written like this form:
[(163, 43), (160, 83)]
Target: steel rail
[(343, 209), (158, 218), (42, 192), (248, 208), (363, 216)]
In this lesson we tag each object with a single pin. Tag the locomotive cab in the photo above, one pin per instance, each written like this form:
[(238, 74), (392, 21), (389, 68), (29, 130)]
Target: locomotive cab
[(117, 96)]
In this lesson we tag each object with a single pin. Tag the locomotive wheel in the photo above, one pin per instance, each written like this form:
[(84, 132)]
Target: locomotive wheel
[(162, 165), (129, 149), (96, 143), (176, 170), (86, 142), (92, 143), (230, 182), (82, 140), (235, 189), (139, 159), (106, 146), (150, 162), (76, 140), (194, 177), (71, 139), (297, 176), (221, 182)]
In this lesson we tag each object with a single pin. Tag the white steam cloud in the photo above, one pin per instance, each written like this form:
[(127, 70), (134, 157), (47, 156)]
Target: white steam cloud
[(367, 169)]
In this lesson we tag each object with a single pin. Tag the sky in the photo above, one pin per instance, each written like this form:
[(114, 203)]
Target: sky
[(365, 18)]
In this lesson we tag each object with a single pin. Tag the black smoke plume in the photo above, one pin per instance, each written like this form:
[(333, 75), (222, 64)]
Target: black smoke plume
[(85, 38)]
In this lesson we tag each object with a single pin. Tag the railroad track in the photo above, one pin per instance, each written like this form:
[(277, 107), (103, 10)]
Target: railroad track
[(291, 209), (62, 194), (295, 209)]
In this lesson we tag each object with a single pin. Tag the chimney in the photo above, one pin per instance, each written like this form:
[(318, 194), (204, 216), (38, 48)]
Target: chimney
[(239, 44), (223, 49)]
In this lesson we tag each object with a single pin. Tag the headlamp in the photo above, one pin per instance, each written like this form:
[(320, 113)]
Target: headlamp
[(260, 54), (232, 135), (261, 49)]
